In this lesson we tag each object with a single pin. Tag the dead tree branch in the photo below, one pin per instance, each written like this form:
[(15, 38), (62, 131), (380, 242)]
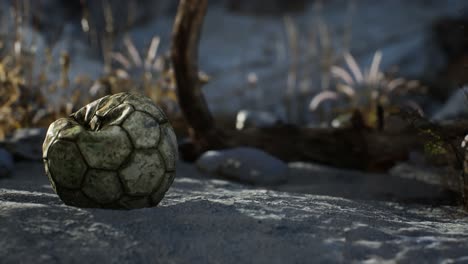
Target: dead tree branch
[(356, 147), (184, 55)]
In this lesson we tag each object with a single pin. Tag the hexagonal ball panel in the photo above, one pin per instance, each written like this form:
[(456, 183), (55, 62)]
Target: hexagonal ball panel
[(75, 198), (158, 195), (106, 148), (54, 129), (143, 172), (102, 186), (66, 164), (168, 147), (143, 130), (47, 171), (145, 104), (130, 202)]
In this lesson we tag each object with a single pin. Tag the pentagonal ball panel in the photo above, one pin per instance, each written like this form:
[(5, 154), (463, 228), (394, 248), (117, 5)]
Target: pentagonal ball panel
[(102, 186), (106, 148), (168, 147), (145, 104), (143, 172), (143, 130), (66, 164)]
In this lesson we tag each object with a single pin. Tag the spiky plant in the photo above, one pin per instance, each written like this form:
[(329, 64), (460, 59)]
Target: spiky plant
[(145, 72), (368, 91), (312, 53), (29, 97)]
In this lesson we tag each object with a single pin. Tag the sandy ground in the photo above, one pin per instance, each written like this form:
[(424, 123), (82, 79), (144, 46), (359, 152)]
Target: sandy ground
[(203, 220)]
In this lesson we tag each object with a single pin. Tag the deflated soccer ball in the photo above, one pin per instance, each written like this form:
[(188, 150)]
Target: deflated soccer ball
[(117, 152)]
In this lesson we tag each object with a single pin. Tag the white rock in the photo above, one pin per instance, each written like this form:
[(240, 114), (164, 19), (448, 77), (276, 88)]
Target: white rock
[(247, 165)]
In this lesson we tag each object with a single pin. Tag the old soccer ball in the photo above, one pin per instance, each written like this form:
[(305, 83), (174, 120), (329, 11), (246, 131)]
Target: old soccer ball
[(117, 152)]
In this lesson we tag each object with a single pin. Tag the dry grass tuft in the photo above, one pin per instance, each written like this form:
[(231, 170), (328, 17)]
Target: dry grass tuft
[(30, 97), (369, 91)]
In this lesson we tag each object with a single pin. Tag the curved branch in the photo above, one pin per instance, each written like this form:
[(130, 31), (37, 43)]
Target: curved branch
[(356, 147), (184, 55)]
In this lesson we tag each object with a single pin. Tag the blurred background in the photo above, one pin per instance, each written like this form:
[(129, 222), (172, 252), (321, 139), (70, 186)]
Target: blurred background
[(309, 63)]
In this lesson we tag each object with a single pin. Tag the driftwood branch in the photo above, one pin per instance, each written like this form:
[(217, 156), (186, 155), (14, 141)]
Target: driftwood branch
[(357, 147), (184, 55)]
